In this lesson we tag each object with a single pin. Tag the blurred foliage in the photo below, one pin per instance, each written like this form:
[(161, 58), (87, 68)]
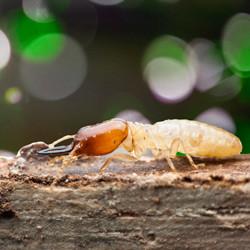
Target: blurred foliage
[(24, 32)]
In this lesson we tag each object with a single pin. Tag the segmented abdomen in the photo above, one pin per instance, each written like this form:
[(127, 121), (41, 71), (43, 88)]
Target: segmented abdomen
[(195, 138)]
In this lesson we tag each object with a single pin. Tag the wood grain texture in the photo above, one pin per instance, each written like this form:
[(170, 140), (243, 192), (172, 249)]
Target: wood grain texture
[(66, 204)]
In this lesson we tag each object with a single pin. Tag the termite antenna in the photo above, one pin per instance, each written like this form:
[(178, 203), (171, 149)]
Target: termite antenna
[(66, 137)]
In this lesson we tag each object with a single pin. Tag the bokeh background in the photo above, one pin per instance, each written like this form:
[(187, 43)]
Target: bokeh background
[(65, 64)]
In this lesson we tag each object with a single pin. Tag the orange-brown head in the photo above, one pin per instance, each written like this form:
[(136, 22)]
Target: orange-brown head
[(100, 139)]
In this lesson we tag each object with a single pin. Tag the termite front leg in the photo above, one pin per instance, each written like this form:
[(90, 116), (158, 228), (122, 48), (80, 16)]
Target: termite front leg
[(123, 157)]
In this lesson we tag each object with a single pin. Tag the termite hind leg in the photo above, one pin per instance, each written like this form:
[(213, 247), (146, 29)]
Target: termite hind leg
[(194, 165), (180, 146), (191, 162), (116, 157)]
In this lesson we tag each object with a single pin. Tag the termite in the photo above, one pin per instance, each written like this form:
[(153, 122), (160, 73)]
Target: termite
[(164, 139)]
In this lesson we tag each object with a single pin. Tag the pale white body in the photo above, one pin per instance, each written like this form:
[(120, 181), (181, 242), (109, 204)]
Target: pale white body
[(194, 138)]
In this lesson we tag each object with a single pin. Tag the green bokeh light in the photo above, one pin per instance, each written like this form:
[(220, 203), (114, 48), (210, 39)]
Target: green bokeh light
[(236, 44), (166, 46), (31, 39), (243, 131), (45, 47), (227, 88), (245, 91)]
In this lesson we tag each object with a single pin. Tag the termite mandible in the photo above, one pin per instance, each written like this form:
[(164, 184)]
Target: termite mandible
[(164, 139)]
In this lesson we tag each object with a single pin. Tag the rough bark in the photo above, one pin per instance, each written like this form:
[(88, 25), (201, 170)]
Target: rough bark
[(66, 204)]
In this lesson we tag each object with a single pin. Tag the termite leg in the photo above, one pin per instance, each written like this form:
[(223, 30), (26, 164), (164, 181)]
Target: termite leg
[(116, 157), (190, 160), (179, 142), (160, 154), (170, 163), (194, 165)]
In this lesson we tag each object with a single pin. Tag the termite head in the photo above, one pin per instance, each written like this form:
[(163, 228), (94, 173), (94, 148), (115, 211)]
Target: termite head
[(100, 139)]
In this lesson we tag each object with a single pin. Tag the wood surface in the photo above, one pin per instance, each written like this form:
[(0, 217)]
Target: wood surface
[(65, 203)]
